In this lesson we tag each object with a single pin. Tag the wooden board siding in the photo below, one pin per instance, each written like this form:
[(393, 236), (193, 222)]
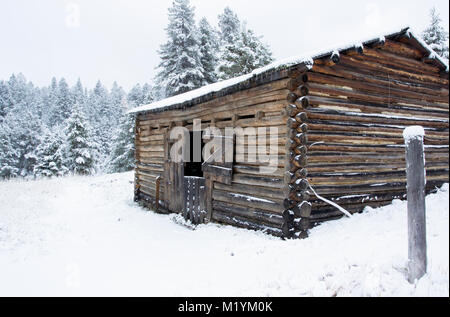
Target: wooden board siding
[(358, 111), (253, 199)]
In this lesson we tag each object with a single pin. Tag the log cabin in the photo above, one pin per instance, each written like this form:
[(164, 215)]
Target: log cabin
[(335, 120)]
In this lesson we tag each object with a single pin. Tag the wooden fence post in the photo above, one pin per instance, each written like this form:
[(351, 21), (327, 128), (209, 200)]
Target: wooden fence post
[(416, 181)]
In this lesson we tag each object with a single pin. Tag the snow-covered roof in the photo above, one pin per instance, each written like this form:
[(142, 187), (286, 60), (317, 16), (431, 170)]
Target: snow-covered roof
[(225, 87)]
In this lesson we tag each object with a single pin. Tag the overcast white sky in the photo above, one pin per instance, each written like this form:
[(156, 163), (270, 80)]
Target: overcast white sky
[(117, 40)]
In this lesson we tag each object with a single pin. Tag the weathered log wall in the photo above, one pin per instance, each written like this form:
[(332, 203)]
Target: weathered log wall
[(356, 107), (254, 199)]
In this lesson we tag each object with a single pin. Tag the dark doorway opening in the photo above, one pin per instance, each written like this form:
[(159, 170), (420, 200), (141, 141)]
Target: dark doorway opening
[(193, 168)]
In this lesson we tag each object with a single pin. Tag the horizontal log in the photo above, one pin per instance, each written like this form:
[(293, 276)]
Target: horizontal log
[(373, 118), (382, 79), (353, 61), (369, 158), (402, 49), (357, 148), (149, 160), (349, 200), (367, 129), (337, 189), (257, 215), (330, 168), (150, 148), (354, 138), (273, 194), (241, 222), (380, 101), (142, 154), (252, 170), (385, 89), (248, 201), (153, 168), (271, 182)]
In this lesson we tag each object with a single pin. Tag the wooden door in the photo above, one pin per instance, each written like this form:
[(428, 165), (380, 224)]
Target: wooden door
[(173, 176), (194, 205)]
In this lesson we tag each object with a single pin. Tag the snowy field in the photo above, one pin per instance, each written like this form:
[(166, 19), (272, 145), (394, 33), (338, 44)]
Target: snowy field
[(85, 237)]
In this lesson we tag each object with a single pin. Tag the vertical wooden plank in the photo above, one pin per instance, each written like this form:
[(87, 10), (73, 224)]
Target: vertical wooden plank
[(136, 158), (202, 199), (195, 198), (185, 191), (180, 182), (157, 190), (167, 182), (191, 200), (415, 172), (208, 198), (170, 186), (176, 188)]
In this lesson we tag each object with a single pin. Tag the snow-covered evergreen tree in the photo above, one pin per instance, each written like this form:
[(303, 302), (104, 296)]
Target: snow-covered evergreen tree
[(230, 27), (50, 156), (135, 96), (140, 95), (209, 46), (20, 134), (26, 111), (50, 103), (10, 156), (64, 102), (20, 126), (117, 99), (180, 67), (122, 154), (18, 90), (5, 99), (79, 94), (79, 148), (147, 94), (98, 111), (436, 36), (245, 55)]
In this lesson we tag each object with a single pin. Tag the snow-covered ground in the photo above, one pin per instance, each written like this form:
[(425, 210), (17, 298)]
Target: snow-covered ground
[(85, 236)]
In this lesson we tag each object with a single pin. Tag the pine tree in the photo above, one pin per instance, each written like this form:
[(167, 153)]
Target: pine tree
[(64, 102), (79, 148), (246, 55), (19, 136), (180, 67), (230, 27), (50, 157), (98, 111), (116, 102), (436, 36), (20, 126), (122, 155), (78, 94), (50, 104), (10, 156), (18, 89), (147, 94), (5, 100), (209, 46), (135, 96)]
